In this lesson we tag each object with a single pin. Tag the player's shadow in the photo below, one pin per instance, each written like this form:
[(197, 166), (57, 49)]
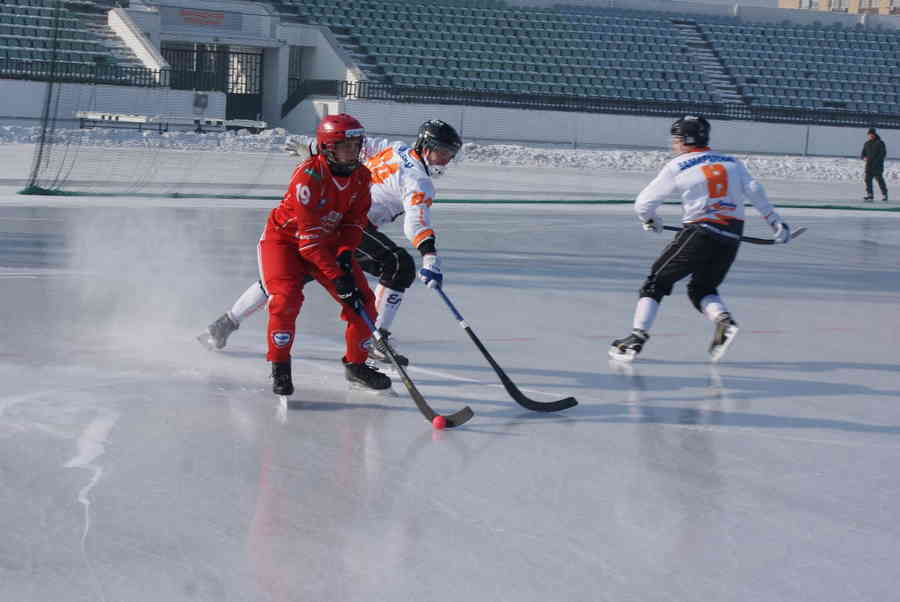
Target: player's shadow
[(713, 407), (812, 366), (640, 412)]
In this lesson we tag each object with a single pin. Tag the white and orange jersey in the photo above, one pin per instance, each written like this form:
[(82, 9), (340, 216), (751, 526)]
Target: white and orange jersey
[(400, 186), (713, 188)]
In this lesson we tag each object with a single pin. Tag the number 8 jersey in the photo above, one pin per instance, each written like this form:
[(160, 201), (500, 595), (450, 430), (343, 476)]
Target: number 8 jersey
[(712, 187)]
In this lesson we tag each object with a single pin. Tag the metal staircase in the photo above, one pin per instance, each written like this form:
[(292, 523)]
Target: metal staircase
[(92, 14), (722, 87)]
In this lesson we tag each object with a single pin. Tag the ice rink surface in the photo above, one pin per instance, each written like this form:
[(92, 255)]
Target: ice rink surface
[(136, 466)]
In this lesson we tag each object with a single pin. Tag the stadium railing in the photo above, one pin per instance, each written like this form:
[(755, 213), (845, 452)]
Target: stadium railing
[(366, 90)]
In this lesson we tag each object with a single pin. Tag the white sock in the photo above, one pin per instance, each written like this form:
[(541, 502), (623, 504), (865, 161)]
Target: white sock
[(645, 313), (712, 306), (249, 302), (387, 302)]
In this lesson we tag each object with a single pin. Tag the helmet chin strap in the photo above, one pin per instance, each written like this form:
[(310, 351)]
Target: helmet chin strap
[(342, 169), (435, 171)]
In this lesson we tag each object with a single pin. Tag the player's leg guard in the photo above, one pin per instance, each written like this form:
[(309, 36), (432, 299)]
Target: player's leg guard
[(282, 274), (698, 292), (387, 303), (712, 306), (284, 306), (250, 301)]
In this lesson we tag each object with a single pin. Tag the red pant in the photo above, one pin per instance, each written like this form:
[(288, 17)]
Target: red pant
[(283, 273)]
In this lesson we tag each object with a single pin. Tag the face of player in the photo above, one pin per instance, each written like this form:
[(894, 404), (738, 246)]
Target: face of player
[(439, 156), (678, 146), (347, 151)]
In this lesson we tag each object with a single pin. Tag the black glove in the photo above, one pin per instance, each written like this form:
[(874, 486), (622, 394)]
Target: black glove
[(345, 261), (345, 286)]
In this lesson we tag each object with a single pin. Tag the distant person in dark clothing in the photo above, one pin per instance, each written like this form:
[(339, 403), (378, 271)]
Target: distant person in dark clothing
[(873, 154)]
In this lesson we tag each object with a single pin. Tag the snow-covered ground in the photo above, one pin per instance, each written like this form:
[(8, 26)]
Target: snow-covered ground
[(259, 160)]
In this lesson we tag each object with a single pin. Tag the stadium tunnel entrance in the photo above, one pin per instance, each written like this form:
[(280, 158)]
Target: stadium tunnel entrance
[(235, 70)]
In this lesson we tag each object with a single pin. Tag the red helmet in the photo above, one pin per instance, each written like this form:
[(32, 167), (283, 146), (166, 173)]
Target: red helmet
[(337, 128)]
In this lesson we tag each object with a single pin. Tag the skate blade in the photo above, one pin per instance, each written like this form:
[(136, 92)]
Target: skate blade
[(207, 341), (355, 387), (382, 364), (281, 410), (286, 401), (717, 351), (622, 356)]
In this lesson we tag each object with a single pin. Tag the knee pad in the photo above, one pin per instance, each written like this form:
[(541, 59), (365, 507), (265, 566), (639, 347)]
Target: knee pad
[(655, 290), (697, 292), (398, 271)]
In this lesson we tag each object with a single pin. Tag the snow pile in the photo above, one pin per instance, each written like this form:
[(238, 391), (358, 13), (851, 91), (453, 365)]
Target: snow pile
[(775, 167), (788, 167)]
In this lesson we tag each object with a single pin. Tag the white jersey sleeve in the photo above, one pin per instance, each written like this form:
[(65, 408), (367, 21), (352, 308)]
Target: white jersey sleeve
[(756, 194), (652, 196), (418, 195)]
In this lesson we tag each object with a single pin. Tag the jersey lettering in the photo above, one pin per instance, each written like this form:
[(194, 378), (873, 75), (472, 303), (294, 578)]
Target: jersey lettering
[(303, 194), (716, 180)]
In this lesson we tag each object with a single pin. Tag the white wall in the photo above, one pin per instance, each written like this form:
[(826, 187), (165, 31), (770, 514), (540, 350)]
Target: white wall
[(492, 125), (25, 100)]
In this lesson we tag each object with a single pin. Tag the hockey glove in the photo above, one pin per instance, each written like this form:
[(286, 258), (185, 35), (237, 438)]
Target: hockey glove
[(430, 273), (295, 146), (782, 233), (345, 261), (654, 224), (347, 292)]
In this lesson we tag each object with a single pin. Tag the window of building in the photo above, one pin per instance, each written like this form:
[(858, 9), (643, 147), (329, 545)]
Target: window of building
[(869, 6)]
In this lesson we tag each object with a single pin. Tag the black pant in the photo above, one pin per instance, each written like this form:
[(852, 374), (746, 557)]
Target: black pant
[(878, 177), (695, 252), (380, 256)]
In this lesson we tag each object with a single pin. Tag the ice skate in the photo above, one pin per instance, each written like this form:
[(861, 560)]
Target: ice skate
[(884, 198), (378, 353), (626, 349), (726, 330), (282, 384), (869, 198), (217, 333), (364, 377)]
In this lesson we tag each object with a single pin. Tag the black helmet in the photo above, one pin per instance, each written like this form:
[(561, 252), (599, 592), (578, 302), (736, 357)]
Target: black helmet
[(435, 134), (692, 129)]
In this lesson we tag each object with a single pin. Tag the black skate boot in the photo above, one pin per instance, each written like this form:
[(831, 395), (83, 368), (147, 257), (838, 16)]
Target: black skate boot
[(726, 330), (626, 349), (216, 334), (281, 379), (377, 350), (869, 198), (364, 376)]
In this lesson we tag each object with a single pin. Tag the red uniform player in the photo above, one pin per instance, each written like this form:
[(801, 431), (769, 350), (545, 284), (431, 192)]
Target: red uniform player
[(313, 233)]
